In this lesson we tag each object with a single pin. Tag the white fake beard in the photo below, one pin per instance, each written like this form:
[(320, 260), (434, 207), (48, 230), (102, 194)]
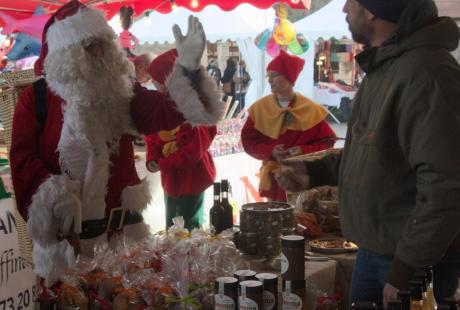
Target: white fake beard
[(97, 93)]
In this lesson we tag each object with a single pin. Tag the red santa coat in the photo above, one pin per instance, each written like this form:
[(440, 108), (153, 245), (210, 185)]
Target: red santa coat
[(33, 150), (182, 154), (267, 127)]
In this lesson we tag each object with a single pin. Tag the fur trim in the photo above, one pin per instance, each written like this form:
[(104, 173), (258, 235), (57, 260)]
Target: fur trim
[(136, 232), (137, 197), (86, 23), (42, 224), (203, 108), (51, 260)]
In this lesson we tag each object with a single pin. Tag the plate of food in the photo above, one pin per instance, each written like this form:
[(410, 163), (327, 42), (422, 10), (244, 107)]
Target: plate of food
[(332, 246)]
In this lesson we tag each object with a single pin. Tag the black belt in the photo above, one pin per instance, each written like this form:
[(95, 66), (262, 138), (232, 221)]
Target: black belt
[(118, 218)]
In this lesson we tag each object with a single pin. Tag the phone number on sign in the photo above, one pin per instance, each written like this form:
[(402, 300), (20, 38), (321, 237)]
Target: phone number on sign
[(23, 300)]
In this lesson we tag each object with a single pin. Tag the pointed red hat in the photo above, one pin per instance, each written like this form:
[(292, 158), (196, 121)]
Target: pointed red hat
[(162, 66), (287, 65), (69, 25)]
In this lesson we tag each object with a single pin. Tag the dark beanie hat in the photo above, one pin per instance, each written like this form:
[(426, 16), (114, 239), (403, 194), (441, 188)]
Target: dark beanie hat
[(389, 10)]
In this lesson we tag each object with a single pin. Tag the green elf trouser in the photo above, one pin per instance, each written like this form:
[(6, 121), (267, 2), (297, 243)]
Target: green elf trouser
[(191, 208)]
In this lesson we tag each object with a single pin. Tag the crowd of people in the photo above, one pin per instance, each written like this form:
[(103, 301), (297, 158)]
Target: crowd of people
[(398, 175)]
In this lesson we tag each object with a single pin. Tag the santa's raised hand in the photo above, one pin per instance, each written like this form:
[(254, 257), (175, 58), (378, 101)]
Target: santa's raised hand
[(191, 46)]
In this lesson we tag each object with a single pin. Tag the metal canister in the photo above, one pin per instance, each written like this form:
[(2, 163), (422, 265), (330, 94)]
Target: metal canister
[(270, 294)]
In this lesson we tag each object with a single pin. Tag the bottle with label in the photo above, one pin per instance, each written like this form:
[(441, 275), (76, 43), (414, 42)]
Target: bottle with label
[(226, 293), (250, 295), (405, 297), (293, 295), (416, 295), (429, 291), (363, 305), (421, 276), (227, 219), (270, 294), (217, 212)]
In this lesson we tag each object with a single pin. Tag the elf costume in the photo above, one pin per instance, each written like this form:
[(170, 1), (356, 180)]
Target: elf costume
[(302, 123)]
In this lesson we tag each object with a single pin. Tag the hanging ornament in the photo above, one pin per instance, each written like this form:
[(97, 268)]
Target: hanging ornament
[(262, 39), (299, 45), (273, 49), (284, 33)]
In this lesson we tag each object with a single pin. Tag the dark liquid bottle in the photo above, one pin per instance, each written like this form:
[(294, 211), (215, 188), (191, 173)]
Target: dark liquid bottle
[(451, 302), (394, 304), (405, 297), (216, 214), (227, 219), (417, 294)]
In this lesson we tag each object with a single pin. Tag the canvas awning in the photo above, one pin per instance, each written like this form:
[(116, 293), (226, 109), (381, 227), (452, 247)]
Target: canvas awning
[(25, 8)]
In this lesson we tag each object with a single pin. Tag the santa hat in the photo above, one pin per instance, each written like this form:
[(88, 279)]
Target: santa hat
[(161, 67), (287, 65), (69, 25)]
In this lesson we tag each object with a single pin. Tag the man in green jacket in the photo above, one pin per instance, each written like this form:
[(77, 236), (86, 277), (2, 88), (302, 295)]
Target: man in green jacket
[(399, 172)]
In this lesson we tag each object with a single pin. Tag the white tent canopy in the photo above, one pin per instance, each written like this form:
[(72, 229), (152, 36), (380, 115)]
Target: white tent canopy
[(242, 22), (327, 22), (242, 25)]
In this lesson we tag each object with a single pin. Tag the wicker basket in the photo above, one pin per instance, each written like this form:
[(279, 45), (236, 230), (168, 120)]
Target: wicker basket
[(17, 82), (8, 100), (25, 244), (19, 78)]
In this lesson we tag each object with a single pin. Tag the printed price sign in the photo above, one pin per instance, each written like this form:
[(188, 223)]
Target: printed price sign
[(17, 280)]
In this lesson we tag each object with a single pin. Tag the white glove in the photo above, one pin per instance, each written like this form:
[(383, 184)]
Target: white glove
[(191, 47), (68, 214)]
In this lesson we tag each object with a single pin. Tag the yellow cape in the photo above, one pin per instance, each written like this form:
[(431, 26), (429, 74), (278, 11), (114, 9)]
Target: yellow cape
[(269, 117)]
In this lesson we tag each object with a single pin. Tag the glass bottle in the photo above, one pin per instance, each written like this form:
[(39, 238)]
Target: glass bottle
[(451, 302), (416, 295), (394, 304), (363, 305), (405, 297), (421, 276), (216, 213), (429, 290), (227, 218)]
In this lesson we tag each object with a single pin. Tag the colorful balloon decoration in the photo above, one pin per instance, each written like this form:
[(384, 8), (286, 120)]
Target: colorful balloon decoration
[(282, 36), (284, 32)]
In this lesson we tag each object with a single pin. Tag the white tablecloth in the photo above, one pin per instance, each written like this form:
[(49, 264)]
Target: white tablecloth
[(325, 96)]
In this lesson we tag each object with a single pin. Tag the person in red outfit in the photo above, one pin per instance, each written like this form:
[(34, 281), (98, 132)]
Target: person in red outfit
[(181, 155), (73, 171), (283, 124)]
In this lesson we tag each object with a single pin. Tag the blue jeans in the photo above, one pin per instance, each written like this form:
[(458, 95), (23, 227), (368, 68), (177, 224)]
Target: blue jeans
[(370, 269), (369, 276)]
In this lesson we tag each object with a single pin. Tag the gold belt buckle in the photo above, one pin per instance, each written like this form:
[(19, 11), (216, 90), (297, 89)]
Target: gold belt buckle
[(116, 214)]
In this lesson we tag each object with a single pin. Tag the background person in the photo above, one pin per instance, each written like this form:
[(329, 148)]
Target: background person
[(182, 157), (283, 124)]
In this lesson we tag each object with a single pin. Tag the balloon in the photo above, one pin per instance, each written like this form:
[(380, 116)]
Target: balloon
[(300, 45), (262, 39), (284, 33), (273, 49), (295, 48)]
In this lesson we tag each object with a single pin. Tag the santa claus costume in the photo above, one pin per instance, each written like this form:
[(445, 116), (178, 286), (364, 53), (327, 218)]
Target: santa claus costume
[(182, 157), (76, 171), (298, 122)]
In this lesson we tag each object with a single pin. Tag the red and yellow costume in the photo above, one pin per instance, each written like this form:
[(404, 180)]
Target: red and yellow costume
[(182, 154), (302, 124)]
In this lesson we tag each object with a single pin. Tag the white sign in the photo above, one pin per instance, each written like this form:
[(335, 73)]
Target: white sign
[(17, 280)]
